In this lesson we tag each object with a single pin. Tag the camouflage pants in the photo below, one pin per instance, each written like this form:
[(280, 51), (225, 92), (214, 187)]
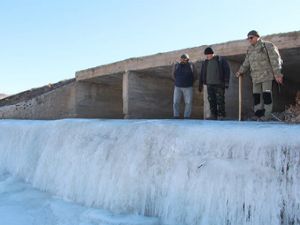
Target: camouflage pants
[(262, 97), (216, 99)]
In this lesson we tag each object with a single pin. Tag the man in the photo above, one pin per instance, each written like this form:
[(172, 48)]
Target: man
[(183, 74), (215, 73), (264, 63)]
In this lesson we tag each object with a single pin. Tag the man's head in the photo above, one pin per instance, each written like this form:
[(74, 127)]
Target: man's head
[(253, 37), (209, 53), (184, 58)]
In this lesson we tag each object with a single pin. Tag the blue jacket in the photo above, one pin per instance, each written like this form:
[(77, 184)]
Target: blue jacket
[(184, 75)]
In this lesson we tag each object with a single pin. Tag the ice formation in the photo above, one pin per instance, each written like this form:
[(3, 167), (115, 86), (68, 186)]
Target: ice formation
[(182, 172)]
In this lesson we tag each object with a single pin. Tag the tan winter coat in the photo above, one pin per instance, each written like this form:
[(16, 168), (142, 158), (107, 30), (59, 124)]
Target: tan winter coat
[(258, 64)]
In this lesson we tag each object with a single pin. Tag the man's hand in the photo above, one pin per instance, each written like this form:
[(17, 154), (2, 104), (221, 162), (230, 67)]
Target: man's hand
[(226, 85), (200, 88), (279, 79), (237, 74)]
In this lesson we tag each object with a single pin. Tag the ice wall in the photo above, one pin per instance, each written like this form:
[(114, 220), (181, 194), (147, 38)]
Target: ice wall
[(184, 172)]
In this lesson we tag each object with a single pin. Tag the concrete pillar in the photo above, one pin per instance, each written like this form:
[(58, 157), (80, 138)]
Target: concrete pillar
[(125, 94)]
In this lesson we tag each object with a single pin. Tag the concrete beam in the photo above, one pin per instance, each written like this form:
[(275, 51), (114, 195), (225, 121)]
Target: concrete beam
[(233, 48)]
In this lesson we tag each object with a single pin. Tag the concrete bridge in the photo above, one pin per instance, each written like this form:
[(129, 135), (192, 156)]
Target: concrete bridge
[(143, 87)]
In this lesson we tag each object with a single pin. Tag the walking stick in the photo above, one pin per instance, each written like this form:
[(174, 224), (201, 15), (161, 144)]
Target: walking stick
[(240, 97)]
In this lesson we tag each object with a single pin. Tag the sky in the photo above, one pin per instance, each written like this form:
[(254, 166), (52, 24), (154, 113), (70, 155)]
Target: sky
[(45, 42)]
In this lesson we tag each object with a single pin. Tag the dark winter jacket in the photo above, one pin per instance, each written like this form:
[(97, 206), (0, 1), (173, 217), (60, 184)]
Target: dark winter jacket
[(224, 71), (184, 75)]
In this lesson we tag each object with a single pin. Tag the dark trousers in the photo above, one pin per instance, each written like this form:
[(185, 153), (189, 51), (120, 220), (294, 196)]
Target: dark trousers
[(216, 98)]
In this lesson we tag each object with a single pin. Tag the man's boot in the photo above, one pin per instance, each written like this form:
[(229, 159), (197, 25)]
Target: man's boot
[(212, 117)]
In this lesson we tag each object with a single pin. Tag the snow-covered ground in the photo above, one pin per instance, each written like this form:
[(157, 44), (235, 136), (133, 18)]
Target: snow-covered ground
[(122, 171)]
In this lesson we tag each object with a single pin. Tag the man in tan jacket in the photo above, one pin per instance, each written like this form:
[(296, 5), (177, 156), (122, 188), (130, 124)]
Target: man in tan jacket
[(264, 63)]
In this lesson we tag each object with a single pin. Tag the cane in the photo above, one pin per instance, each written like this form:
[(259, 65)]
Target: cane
[(240, 97)]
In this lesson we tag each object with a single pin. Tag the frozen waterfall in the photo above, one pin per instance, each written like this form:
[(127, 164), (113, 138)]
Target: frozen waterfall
[(182, 172)]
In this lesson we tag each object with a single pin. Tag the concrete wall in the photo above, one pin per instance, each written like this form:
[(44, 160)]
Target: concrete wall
[(284, 96), (59, 103), (232, 94), (96, 100), (148, 96), (74, 100)]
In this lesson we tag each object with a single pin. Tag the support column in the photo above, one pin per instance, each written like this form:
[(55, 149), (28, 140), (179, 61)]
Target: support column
[(125, 94)]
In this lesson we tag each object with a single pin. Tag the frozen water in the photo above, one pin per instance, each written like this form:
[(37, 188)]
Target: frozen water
[(20, 204), (182, 172)]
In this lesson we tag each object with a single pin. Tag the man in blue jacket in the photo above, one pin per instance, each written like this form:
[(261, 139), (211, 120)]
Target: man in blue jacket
[(215, 73), (183, 74)]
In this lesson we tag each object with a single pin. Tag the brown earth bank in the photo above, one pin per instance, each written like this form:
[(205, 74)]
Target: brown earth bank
[(3, 96)]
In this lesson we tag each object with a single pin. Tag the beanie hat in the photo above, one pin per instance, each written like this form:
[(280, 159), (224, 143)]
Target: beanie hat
[(185, 56), (208, 51), (253, 33)]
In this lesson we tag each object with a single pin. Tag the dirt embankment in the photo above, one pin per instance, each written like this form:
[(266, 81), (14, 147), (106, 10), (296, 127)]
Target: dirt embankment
[(32, 93), (3, 96)]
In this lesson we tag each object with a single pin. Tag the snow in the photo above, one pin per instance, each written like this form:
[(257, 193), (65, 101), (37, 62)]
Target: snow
[(168, 172)]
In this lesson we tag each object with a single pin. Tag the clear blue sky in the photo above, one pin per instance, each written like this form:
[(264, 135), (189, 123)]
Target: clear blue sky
[(45, 41)]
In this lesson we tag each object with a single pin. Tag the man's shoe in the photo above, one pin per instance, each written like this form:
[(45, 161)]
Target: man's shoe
[(176, 117), (263, 119), (221, 117), (267, 118), (254, 118), (212, 117)]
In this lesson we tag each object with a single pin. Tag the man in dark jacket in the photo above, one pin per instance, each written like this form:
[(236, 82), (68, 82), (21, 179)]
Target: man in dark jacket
[(215, 73), (183, 74)]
